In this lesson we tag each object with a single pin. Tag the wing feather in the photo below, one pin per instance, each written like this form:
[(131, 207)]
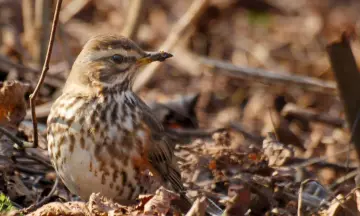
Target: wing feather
[(161, 152)]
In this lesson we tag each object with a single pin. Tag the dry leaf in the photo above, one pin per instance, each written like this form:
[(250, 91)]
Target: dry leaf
[(222, 138), (198, 208), (336, 208), (240, 199), (16, 188), (276, 152), (62, 209), (12, 103), (100, 205), (160, 203)]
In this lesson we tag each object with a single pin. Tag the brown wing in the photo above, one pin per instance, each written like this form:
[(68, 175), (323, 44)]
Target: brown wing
[(161, 152)]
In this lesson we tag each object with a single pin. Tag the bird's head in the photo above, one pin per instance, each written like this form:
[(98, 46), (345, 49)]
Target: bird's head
[(109, 62)]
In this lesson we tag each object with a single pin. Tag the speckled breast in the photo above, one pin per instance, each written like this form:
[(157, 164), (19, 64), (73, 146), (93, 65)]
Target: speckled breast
[(93, 142)]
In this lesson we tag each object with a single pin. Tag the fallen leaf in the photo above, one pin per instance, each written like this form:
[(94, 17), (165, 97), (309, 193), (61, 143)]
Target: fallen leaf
[(276, 152), (160, 203), (12, 103)]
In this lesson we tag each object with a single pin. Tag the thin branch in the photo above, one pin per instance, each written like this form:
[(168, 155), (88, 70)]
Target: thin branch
[(5, 60), (7, 64), (311, 115), (43, 201), (348, 78), (29, 170), (44, 71), (133, 18), (35, 158), (321, 164), (193, 133), (342, 179), (299, 213), (270, 76), (319, 159), (194, 11), (19, 144)]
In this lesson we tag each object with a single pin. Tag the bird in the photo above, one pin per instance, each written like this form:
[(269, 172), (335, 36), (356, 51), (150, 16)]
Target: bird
[(101, 136)]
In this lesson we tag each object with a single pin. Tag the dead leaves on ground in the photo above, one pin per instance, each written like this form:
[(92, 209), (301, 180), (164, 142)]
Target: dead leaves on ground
[(98, 205), (12, 103)]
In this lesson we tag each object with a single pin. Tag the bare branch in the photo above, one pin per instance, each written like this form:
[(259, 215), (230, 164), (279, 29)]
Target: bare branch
[(348, 78), (196, 8), (270, 76), (44, 71)]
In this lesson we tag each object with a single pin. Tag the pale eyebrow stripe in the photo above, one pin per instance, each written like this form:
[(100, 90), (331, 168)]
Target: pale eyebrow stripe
[(110, 52)]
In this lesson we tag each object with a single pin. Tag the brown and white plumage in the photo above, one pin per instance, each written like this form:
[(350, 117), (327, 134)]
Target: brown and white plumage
[(101, 136)]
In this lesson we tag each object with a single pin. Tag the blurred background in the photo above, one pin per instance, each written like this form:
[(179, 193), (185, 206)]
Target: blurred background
[(284, 37)]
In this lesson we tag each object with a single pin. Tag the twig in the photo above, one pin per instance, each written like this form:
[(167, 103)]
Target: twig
[(26, 169), (43, 201), (54, 81), (319, 159), (133, 18), (342, 179), (198, 208), (299, 213), (195, 10), (43, 73), (270, 76), (35, 158), (19, 144), (321, 164), (4, 59), (295, 198), (348, 78), (198, 133), (353, 131), (311, 115), (42, 110)]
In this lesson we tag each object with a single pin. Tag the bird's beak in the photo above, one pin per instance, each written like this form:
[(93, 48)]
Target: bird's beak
[(153, 56)]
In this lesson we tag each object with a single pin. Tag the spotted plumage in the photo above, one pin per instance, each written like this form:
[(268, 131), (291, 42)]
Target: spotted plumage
[(101, 135)]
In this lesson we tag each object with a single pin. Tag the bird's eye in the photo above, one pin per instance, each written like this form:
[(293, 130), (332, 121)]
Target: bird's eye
[(118, 59)]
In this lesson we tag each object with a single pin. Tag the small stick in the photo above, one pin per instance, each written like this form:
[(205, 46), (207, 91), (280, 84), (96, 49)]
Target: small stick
[(8, 64), (44, 71), (270, 76), (29, 170), (347, 77), (311, 115), (35, 158), (43, 201), (342, 179), (5, 60), (299, 213), (19, 144), (194, 11), (320, 159)]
